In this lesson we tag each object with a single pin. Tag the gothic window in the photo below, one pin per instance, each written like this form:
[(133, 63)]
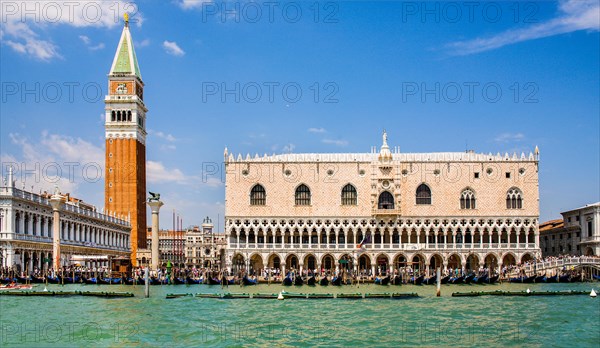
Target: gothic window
[(467, 199), (258, 195), (119, 119), (423, 194), (349, 195), (113, 116), (386, 200), (514, 199), (302, 195)]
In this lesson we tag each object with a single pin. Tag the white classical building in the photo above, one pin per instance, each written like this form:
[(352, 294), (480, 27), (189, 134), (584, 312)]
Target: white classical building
[(577, 233), (426, 210), (26, 231)]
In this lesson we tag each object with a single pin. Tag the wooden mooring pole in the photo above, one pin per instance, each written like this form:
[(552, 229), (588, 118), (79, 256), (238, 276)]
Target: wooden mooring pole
[(439, 282)]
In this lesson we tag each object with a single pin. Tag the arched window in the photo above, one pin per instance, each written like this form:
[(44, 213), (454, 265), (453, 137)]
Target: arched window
[(423, 194), (302, 195), (349, 195), (119, 116), (386, 200), (128, 116), (514, 199), (258, 195), (467, 199), (113, 116)]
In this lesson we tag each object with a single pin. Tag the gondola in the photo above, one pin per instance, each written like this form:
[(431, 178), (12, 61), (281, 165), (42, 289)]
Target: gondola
[(385, 280), (596, 276), (430, 280), (53, 280), (23, 280), (287, 281), (90, 280), (298, 280), (178, 281), (213, 281), (529, 279), (7, 280), (468, 279), (324, 281), (459, 280), (193, 281), (311, 281), (397, 280), (540, 279), (493, 279), (564, 278), (445, 279), (104, 281), (417, 280), (337, 281), (575, 278), (71, 280), (129, 281), (482, 279), (248, 281), (37, 280), (553, 279)]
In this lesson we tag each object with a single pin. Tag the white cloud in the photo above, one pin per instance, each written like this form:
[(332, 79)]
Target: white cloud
[(172, 48), (289, 148), (191, 4), (143, 43), (157, 173), (88, 42), (509, 137), (25, 22), (55, 160), (317, 130), (167, 137), (335, 142), (574, 15)]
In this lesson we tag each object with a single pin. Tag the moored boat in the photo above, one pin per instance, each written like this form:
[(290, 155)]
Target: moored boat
[(311, 280), (467, 280), (298, 280), (417, 280), (397, 280), (324, 281), (337, 281), (287, 281), (445, 279), (248, 281)]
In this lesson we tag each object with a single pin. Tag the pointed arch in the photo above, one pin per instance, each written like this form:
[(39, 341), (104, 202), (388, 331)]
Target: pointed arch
[(423, 194), (302, 195), (514, 198), (467, 199), (258, 195), (349, 195), (386, 200)]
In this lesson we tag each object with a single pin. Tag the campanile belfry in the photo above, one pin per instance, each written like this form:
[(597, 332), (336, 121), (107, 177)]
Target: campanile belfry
[(125, 164)]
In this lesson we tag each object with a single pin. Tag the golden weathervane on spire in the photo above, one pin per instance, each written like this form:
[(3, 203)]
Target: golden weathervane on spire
[(126, 16)]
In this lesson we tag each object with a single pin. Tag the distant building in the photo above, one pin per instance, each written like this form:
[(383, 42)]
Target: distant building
[(577, 233), (204, 247), (87, 236), (171, 247), (195, 246)]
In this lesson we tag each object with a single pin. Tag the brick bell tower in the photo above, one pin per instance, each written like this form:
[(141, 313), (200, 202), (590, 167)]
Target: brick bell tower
[(125, 166)]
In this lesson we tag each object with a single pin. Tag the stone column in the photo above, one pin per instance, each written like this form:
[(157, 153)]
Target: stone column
[(155, 208), (56, 201)]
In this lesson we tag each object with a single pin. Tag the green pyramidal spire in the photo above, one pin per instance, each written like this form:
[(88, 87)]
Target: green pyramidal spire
[(125, 62)]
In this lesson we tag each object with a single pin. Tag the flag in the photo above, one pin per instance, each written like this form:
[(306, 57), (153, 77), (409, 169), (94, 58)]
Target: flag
[(366, 240)]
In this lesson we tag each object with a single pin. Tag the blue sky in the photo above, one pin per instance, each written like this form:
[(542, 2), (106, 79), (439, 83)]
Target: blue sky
[(502, 76)]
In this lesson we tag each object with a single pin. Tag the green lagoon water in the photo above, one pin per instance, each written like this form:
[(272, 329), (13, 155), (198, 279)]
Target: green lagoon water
[(552, 321)]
